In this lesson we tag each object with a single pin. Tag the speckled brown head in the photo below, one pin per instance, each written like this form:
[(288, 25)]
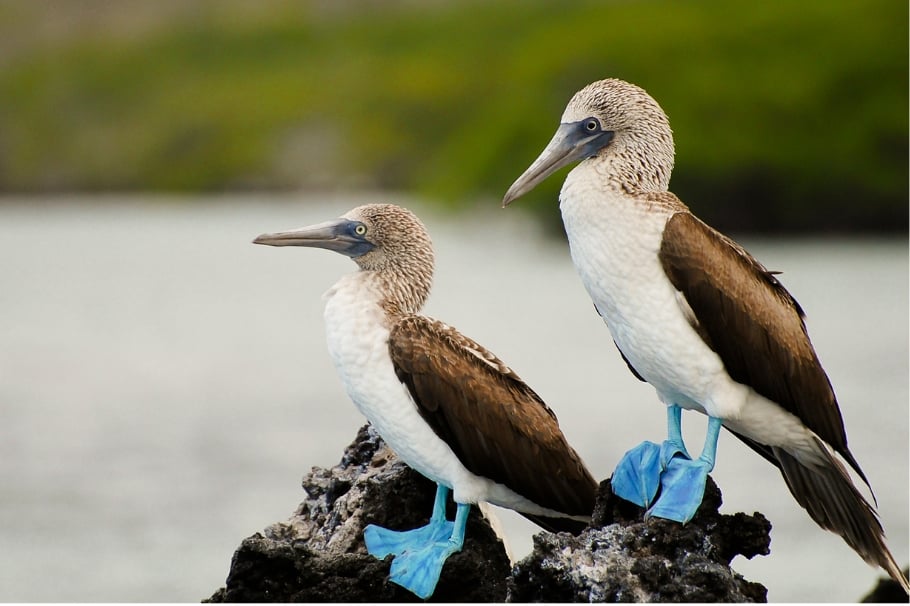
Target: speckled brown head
[(613, 123), (382, 238)]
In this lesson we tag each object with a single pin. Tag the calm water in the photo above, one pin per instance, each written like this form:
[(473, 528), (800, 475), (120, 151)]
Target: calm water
[(164, 385)]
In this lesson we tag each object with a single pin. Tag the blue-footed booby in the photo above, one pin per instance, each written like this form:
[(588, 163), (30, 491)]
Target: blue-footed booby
[(697, 317), (448, 407)]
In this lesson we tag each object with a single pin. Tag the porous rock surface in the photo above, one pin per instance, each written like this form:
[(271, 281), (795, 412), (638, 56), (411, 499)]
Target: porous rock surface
[(624, 557), (318, 555)]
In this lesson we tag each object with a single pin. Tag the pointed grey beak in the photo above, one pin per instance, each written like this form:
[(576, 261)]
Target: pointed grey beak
[(338, 235), (571, 143)]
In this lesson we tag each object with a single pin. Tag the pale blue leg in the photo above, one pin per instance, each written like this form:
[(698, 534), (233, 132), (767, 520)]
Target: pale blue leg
[(683, 482), (638, 474), (382, 541), (420, 553), (674, 444), (418, 571)]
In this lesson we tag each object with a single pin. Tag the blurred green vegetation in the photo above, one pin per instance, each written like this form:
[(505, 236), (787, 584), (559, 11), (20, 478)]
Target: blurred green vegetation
[(787, 115)]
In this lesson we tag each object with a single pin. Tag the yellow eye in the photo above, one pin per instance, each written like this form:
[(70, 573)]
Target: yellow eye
[(360, 229)]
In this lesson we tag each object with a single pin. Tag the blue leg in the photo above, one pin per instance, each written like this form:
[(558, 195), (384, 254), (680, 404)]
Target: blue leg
[(420, 553), (674, 443), (683, 481), (638, 474)]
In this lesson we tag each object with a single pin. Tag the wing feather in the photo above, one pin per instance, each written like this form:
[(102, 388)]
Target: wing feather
[(756, 327), (497, 426)]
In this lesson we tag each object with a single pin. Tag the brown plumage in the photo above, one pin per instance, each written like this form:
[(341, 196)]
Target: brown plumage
[(498, 426), (757, 329), (630, 236), (468, 403)]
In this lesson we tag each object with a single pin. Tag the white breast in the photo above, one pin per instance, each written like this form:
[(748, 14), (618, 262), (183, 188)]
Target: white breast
[(357, 338), (358, 335), (614, 242)]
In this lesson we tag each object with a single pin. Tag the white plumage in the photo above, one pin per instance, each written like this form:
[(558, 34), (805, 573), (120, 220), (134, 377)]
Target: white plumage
[(698, 318), (614, 246), (448, 407), (357, 335), (358, 340)]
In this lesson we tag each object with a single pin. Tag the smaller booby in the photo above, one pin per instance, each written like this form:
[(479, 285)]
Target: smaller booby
[(697, 317), (448, 407)]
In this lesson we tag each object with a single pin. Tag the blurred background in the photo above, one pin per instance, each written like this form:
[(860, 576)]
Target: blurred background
[(164, 385), (796, 112)]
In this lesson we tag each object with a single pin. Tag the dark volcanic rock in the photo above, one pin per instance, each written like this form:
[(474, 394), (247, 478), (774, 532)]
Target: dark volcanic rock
[(624, 558), (887, 590), (318, 555)]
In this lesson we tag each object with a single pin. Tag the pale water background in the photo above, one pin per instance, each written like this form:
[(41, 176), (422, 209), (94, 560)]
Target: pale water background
[(164, 384)]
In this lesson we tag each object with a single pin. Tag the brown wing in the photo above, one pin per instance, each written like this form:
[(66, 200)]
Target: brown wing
[(756, 327), (496, 425)]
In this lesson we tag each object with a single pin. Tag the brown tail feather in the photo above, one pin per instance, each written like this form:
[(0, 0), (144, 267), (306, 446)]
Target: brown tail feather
[(831, 499)]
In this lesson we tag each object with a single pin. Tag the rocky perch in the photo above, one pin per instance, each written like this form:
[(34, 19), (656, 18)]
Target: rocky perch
[(318, 555), (624, 558)]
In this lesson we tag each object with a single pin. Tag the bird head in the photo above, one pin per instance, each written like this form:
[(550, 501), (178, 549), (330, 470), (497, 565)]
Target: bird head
[(612, 121), (382, 238)]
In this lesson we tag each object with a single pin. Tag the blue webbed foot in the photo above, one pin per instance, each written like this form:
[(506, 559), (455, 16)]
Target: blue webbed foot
[(637, 475), (682, 484), (418, 571), (382, 541), (641, 470), (668, 466), (420, 553), (682, 487)]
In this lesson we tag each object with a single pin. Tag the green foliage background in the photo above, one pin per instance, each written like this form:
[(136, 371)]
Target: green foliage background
[(787, 115)]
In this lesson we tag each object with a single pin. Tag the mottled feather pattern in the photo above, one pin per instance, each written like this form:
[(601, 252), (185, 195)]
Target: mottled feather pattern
[(643, 148), (403, 256)]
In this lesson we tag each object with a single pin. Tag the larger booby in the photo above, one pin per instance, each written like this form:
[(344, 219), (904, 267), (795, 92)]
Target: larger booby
[(697, 317), (448, 407)]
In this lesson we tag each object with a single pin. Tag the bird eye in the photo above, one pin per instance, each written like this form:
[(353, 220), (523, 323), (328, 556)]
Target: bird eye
[(592, 125), (360, 229)]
